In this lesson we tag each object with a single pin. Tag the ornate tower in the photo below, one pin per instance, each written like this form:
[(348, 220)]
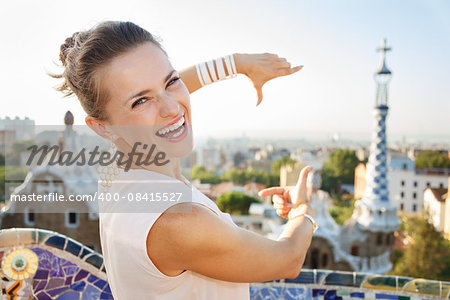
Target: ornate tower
[(374, 212)]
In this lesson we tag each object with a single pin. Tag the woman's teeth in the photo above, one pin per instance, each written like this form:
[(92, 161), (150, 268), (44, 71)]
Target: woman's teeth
[(172, 128)]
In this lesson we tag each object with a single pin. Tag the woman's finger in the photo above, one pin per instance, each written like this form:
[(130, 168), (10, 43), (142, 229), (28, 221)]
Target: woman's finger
[(284, 71), (299, 193), (281, 207), (259, 94), (271, 191), (283, 65), (278, 199)]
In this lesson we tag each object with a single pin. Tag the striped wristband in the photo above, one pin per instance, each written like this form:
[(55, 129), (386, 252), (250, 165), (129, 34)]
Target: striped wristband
[(216, 70)]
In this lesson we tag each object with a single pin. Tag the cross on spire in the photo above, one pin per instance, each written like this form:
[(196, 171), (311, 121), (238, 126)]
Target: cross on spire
[(384, 48)]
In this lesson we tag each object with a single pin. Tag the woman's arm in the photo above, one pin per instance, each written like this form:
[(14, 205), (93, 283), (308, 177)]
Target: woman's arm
[(204, 243), (259, 68)]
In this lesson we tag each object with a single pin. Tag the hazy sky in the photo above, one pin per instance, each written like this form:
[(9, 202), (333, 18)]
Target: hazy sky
[(334, 40)]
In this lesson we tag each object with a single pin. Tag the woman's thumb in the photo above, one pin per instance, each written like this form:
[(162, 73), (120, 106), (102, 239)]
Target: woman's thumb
[(259, 93)]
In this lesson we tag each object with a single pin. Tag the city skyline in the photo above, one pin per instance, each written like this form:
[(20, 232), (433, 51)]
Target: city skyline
[(333, 94)]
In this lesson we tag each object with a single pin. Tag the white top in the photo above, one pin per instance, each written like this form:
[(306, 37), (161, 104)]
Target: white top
[(131, 273)]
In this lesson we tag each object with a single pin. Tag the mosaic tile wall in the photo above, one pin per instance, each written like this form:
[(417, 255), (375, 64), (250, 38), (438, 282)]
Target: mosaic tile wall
[(44, 265)]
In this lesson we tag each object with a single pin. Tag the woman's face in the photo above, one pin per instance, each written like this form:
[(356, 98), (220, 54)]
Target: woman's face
[(148, 102)]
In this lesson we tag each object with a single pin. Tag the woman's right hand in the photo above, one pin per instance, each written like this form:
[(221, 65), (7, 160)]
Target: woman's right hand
[(199, 240), (286, 198), (263, 67)]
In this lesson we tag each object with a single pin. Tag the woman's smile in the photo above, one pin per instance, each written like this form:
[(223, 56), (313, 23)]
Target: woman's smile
[(175, 130)]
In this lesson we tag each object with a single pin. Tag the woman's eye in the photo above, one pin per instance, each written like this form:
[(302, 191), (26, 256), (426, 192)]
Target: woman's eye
[(138, 102), (172, 81)]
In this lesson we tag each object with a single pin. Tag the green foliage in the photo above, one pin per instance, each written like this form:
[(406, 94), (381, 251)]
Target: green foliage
[(235, 203), (341, 214), (275, 169), (428, 253), (339, 169), (398, 254), (432, 159), (16, 149), (2, 159), (18, 174), (242, 177), (342, 209), (199, 172), (285, 160)]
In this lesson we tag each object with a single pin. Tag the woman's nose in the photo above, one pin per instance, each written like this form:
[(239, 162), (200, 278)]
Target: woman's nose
[(169, 107)]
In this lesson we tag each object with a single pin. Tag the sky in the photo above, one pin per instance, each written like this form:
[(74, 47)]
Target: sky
[(334, 40)]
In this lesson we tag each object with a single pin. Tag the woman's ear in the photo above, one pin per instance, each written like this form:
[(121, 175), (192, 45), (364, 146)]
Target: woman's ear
[(100, 128)]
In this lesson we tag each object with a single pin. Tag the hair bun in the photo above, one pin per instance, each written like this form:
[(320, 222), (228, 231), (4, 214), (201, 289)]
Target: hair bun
[(70, 44)]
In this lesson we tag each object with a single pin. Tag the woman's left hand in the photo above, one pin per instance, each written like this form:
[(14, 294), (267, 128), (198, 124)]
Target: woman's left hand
[(260, 68)]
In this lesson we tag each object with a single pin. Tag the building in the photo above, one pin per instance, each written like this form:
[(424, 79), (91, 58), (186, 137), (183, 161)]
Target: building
[(16, 129), (447, 213), (289, 174), (360, 181), (212, 158), (188, 162), (23, 128), (406, 183), (434, 205), (7, 138), (365, 242), (77, 219)]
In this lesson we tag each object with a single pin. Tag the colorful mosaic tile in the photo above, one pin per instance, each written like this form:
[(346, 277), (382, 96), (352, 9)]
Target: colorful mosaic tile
[(47, 265), (422, 286), (384, 282), (44, 265), (279, 292)]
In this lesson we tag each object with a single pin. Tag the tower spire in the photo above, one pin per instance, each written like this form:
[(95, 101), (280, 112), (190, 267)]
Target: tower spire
[(374, 212), (384, 49), (382, 77)]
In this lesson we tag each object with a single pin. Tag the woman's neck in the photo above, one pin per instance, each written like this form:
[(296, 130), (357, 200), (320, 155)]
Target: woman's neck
[(172, 168), (169, 166)]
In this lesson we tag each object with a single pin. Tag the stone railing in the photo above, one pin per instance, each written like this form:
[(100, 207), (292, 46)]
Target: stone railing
[(41, 264), (328, 284)]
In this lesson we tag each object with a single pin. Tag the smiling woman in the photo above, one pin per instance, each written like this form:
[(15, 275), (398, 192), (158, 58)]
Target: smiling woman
[(186, 249)]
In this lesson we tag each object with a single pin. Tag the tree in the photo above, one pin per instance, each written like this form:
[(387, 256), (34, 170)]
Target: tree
[(276, 167), (342, 209), (427, 255), (197, 171), (200, 173), (235, 203), (11, 173), (339, 169), (16, 149), (285, 160), (242, 177), (432, 159), (2, 159)]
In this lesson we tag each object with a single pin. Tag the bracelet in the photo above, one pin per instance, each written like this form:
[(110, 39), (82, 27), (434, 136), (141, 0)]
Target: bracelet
[(197, 67), (233, 65), (298, 214), (204, 74), (207, 74), (212, 71), (220, 68)]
